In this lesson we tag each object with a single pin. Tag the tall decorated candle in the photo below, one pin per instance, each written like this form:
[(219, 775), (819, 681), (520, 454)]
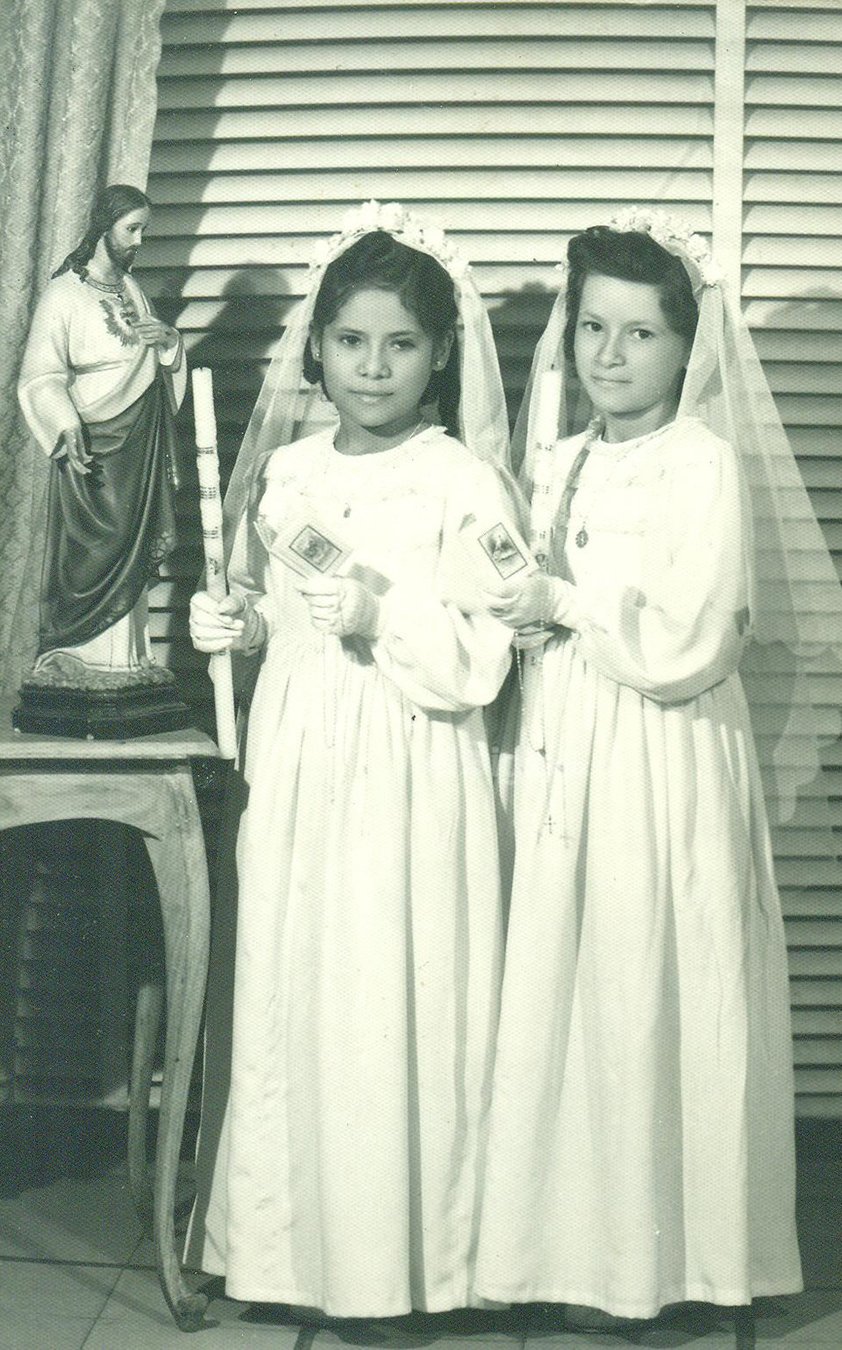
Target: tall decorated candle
[(210, 505), (546, 435)]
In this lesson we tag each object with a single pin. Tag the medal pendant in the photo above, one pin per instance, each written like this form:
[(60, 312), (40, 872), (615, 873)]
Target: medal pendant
[(582, 538)]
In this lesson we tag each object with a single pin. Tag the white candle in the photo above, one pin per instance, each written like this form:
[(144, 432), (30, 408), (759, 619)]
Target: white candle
[(210, 505), (203, 413), (549, 404)]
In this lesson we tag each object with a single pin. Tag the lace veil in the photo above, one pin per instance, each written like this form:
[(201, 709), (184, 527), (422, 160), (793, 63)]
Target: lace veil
[(289, 409), (794, 592)]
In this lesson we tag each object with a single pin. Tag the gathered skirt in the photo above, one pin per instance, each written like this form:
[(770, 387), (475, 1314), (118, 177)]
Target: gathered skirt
[(348, 1068), (641, 1149)]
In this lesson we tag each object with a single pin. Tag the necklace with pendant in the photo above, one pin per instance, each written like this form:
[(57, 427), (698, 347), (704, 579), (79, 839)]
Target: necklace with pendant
[(415, 430), (595, 430)]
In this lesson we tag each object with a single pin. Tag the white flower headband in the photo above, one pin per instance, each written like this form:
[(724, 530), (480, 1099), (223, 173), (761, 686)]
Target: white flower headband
[(396, 220), (674, 235)]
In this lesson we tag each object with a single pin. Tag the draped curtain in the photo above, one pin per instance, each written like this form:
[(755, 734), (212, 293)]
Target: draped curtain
[(77, 109)]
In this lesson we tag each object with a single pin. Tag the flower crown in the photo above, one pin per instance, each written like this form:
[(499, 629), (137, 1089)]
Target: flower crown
[(396, 220), (674, 235)]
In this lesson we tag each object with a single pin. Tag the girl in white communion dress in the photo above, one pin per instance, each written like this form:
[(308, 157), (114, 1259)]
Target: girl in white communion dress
[(344, 1113), (641, 1148)]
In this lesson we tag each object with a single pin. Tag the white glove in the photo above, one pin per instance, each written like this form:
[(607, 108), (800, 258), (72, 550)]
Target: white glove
[(224, 625), (342, 606), (536, 601)]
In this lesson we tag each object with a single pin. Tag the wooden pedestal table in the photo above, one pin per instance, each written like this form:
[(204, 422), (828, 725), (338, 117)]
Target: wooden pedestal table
[(147, 783)]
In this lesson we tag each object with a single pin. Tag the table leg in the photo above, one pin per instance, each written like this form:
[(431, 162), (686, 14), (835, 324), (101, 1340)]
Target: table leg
[(150, 1002), (178, 860)]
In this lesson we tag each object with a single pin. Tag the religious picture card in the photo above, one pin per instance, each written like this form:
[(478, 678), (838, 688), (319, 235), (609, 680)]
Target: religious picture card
[(507, 555), (484, 556), (306, 546)]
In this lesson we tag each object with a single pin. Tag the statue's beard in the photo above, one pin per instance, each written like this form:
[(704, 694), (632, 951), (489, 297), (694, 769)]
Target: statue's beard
[(121, 257)]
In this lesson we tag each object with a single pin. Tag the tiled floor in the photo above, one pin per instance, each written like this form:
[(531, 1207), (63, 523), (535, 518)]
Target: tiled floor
[(76, 1269)]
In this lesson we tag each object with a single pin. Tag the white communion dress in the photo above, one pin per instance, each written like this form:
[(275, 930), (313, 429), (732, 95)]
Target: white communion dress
[(340, 1169), (641, 1147)]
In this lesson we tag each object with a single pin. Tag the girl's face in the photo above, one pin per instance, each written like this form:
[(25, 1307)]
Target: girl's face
[(627, 357), (377, 362)]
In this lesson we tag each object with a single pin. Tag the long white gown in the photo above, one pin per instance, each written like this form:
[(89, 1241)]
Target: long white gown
[(341, 1171), (641, 1147)]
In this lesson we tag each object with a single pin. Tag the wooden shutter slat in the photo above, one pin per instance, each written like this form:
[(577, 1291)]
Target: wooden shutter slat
[(440, 119), (809, 91), (792, 156), (818, 313), (245, 170), (413, 22), (792, 187), (371, 89), (198, 72), (818, 122)]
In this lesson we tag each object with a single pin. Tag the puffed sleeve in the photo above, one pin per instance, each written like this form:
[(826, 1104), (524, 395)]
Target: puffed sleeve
[(247, 569), (684, 627), (45, 373), (441, 654)]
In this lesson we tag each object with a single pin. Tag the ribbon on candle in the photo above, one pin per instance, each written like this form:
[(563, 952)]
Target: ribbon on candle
[(210, 507), (540, 532), (549, 403), (546, 435)]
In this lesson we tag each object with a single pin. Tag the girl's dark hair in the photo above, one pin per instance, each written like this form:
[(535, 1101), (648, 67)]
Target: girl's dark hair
[(111, 205), (629, 255), (377, 261)]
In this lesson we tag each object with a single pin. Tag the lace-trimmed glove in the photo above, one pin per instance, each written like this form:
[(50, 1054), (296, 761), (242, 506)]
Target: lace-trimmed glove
[(229, 625), (343, 607), (538, 601)]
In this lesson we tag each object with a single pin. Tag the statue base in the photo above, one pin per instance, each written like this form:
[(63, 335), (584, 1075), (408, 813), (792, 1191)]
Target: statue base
[(65, 698)]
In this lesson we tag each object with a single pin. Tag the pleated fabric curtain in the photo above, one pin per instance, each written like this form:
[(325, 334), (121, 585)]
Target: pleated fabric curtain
[(77, 108)]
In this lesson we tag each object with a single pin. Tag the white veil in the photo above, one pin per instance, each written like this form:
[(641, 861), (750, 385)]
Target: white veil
[(796, 599), (288, 408)]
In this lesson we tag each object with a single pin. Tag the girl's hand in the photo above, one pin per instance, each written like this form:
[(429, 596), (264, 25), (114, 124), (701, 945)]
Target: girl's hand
[(222, 625), (527, 604), (341, 606)]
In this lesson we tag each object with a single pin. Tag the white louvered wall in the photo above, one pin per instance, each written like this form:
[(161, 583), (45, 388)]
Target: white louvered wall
[(792, 291), (512, 124)]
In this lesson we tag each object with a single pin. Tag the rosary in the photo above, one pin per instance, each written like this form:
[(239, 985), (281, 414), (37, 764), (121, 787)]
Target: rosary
[(375, 467), (594, 431)]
